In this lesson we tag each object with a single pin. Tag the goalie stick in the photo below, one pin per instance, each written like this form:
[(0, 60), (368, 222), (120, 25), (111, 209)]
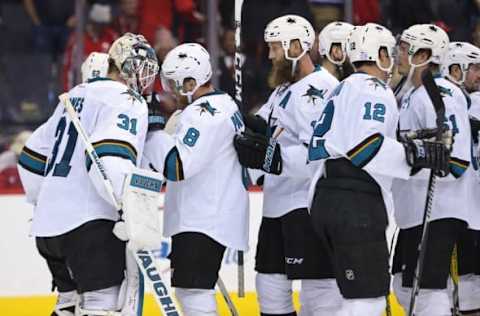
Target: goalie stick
[(144, 258), (238, 97), (434, 95)]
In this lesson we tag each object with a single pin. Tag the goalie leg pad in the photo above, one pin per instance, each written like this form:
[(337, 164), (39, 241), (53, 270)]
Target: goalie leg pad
[(197, 302), (363, 306), (66, 302), (99, 300)]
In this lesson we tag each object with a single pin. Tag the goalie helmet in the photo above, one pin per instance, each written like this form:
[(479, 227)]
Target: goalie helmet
[(462, 54), (95, 66), (426, 36), (334, 33), (186, 61), (287, 28), (365, 41), (136, 60)]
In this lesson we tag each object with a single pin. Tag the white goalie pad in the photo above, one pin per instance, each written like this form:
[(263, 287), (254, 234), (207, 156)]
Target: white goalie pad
[(142, 210)]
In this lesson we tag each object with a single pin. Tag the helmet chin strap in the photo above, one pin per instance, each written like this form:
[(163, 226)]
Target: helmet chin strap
[(294, 60)]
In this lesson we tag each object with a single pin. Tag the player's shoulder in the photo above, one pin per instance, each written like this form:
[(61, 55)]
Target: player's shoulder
[(452, 94), (362, 84), (319, 84), (107, 92), (212, 107)]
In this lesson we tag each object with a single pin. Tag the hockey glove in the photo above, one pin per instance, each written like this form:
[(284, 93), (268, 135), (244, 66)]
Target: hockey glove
[(428, 154), (257, 151), (255, 123), (156, 119)]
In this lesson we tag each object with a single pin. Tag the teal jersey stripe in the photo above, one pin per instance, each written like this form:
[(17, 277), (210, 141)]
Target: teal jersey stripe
[(458, 167), (115, 150), (173, 170), (32, 164), (364, 152)]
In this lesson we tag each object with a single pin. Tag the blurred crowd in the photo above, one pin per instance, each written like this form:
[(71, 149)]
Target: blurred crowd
[(41, 46)]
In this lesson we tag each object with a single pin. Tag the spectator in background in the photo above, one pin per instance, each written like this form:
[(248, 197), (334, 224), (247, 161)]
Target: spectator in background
[(164, 42), (326, 11), (127, 18), (9, 178), (402, 14), (456, 17), (52, 21), (171, 14), (226, 63), (98, 37), (366, 11)]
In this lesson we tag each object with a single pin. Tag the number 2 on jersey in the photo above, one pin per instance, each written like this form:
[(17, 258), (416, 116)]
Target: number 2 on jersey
[(317, 149), (62, 168)]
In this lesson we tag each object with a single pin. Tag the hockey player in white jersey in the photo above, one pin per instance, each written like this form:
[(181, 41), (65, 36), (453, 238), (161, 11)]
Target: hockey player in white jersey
[(356, 154), (95, 66), (73, 216), (421, 47), (206, 202), (332, 43), (462, 67), (287, 247)]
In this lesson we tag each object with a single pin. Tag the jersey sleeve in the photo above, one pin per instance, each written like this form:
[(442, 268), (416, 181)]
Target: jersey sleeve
[(118, 138), (374, 146), (32, 162)]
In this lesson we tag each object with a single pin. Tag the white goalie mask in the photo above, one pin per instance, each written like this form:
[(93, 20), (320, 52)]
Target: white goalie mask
[(365, 41), (136, 60), (462, 54), (288, 28), (334, 33), (95, 66), (426, 36), (186, 61)]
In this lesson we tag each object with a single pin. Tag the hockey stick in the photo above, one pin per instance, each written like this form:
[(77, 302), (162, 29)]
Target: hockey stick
[(238, 97), (227, 298), (144, 258), (434, 95), (455, 279)]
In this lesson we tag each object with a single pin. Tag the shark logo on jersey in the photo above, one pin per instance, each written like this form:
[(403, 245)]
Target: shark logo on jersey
[(313, 94), (377, 83), (133, 95), (205, 107), (445, 91)]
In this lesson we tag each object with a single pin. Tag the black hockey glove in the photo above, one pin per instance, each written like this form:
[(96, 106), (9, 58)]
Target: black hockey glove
[(156, 119), (257, 151), (428, 154), (255, 123)]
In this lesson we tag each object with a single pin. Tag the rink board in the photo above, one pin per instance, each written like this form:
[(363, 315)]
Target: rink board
[(25, 281)]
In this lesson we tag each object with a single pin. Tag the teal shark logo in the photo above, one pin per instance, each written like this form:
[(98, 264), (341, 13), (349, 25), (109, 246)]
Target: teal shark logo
[(205, 107), (445, 91), (314, 93), (377, 83), (133, 95)]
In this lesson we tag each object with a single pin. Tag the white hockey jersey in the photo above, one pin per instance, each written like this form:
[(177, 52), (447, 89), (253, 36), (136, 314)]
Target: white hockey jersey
[(205, 185), (451, 192), (291, 112), (56, 172), (359, 123), (473, 171)]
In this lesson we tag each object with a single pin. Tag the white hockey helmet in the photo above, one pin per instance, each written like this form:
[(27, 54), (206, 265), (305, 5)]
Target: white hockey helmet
[(186, 61), (334, 33), (462, 54), (95, 66), (136, 60), (365, 42), (426, 36), (287, 28)]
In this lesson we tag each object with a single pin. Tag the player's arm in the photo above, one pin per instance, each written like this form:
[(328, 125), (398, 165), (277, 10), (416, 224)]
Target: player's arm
[(32, 162), (118, 139)]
